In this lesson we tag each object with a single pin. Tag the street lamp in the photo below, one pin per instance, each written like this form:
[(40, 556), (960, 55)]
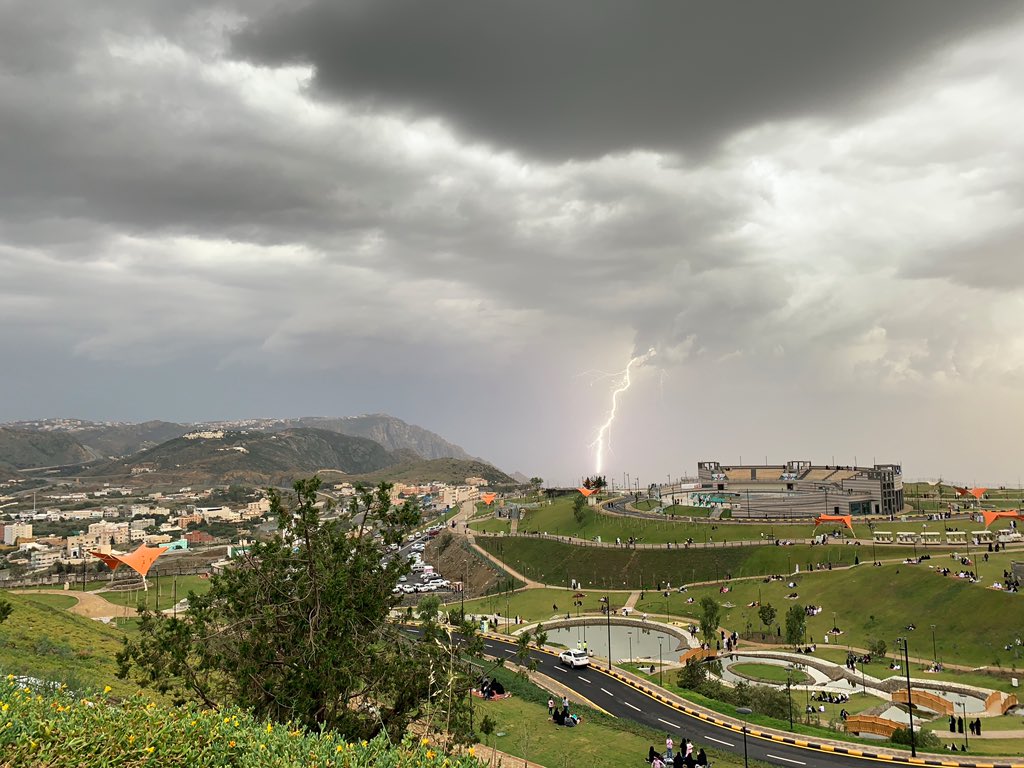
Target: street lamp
[(661, 665), (935, 654), (744, 711), (789, 693), (901, 643), (629, 635), (963, 706)]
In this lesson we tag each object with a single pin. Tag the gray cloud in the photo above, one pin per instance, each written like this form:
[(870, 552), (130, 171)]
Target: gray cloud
[(584, 79), (217, 211)]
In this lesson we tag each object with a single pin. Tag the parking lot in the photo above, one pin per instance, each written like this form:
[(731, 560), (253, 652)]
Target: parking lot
[(423, 578)]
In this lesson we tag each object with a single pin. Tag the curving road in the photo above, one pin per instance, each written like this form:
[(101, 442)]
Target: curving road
[(621, 697)]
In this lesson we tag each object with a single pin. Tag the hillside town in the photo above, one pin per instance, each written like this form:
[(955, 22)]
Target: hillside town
[(56, 530)]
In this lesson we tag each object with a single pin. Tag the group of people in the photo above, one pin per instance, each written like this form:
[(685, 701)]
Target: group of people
[(956, 725), (853, 659), (831, 698), (562, 715), (672, 758)]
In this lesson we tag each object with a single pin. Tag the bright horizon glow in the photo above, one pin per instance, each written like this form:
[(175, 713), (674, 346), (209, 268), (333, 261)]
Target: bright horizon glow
[(603, 434)]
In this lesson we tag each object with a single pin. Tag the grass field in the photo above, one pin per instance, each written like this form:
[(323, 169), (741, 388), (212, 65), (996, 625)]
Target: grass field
[(41, 641), (538, 604), (554, 562), (60, 602), (972, 623), (769, 673), (160, 596)]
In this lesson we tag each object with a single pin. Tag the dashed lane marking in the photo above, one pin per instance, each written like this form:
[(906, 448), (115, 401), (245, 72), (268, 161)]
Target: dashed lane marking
[(585, 680), (727, 743), (631, 706), (666, 722), (786, 759), (608, 692)]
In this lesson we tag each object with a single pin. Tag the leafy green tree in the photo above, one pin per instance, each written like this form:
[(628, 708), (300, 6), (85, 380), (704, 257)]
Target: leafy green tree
[(767, 614), (796, 624), (710, 613), (522, 654), (5, 610), (878, 649), (579, 508), (297, 630)]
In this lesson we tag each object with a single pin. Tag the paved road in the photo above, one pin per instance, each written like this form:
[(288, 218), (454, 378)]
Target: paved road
[(622, 699)]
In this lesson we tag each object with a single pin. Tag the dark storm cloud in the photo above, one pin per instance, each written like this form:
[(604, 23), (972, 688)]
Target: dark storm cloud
[(581, 79)]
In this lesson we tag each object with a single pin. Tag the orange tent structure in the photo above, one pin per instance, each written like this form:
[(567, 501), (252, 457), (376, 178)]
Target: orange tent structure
[(110, 561), (977, 492), (140, 561), (587, 491), (991, 515), (488, 498), (846, 520)]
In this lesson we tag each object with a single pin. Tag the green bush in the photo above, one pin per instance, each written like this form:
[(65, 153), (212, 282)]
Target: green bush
[(926, 740), (55, 729)]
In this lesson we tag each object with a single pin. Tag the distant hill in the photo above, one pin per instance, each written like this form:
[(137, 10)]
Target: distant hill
[(251, 457), (28, 449), (393, 433), (126, 439), (454, 471)]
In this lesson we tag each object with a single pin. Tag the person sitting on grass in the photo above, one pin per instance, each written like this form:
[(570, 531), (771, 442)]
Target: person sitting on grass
[(702, 759)]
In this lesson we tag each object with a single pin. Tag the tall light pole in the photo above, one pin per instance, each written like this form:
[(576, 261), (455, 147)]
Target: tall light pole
[(608, 619), (963, 706), (901, 642), (789, 693), (935, 654), (744, 711), (661, 665), (629, 635)]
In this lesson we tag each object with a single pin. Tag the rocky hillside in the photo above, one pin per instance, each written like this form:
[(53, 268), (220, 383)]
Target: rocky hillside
[(393, 433), (28, 449), (250, 457)]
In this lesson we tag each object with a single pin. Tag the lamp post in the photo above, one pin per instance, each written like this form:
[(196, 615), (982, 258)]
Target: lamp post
[(661, 665), (608, 620), (935, 653), (964, 708), (789, 693), (744, 711), (901, 642)]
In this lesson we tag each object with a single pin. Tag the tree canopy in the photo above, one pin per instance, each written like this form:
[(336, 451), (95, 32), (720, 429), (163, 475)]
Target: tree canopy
[(297, 628)]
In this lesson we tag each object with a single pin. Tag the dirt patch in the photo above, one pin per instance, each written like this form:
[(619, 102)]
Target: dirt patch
[(453, 558), (89, 605)]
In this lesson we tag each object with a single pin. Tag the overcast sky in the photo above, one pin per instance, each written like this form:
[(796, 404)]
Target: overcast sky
[(465, 214)]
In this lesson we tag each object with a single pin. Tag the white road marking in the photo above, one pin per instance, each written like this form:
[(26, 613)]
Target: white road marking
[(608, 692), (727, 743), (776, 757), (584, 680), (489, 645), (666, 722), (630, 705), (560, 669)]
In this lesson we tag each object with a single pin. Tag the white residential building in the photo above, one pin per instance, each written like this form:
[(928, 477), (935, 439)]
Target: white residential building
[(15, 531)]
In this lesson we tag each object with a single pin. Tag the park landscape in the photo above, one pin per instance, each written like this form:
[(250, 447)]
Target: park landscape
[(561, 564)]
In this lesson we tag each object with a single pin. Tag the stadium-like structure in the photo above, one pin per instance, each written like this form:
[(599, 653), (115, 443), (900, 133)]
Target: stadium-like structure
[(797, 489)]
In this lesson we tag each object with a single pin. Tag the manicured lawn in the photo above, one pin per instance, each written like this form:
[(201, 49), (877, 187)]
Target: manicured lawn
[(538, 604), (769, 673), (490, 525), (165, 590), (53, 644), (972, 623), (880, 669), (60, 602), (555, 562)]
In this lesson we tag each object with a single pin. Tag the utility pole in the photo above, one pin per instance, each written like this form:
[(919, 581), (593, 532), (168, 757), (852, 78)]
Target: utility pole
[(901, 642)]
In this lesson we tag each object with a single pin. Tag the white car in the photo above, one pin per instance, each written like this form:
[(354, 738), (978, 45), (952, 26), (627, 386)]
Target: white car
[(574, 657)]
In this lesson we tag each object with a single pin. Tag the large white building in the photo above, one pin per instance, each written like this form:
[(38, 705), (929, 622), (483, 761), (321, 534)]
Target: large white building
[(15, 531)]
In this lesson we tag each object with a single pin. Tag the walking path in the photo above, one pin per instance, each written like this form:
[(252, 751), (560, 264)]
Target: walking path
[(89, 604)]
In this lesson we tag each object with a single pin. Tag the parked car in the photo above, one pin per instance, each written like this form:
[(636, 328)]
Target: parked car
[(574, 657)]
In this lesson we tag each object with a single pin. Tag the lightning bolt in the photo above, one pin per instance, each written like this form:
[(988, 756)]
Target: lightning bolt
[(603, 439)]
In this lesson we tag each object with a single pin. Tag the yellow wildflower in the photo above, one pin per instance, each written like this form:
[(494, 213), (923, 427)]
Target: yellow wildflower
[(131, 739), (340, 747), (231, 743), (149, 749), (107, 689), (472, 751), (430, 754), (270, 727), (424, 741)]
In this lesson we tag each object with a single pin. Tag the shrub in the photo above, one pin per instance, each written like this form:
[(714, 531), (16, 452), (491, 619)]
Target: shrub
[(58, 730)]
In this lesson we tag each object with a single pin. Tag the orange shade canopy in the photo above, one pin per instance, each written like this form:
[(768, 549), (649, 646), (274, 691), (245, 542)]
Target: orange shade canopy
[(846, 520), (140, 561), (991, 515), (488, 498), (977, 492), (587, 491)]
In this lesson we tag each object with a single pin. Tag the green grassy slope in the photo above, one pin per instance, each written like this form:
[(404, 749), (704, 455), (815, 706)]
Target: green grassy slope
[(48, 643)]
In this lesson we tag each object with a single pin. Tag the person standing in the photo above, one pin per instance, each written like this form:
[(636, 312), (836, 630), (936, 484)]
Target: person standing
[(551, 706), (668, 746)]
